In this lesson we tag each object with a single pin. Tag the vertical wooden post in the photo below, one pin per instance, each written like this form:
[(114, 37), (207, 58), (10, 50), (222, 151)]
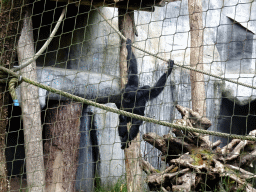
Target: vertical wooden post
[(31, 111), (132, 154), (4, 100), (196, 56), (10, 17), (62, 126)]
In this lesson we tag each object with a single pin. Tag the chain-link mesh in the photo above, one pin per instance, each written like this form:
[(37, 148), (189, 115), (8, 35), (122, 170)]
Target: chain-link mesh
[(63, 64)]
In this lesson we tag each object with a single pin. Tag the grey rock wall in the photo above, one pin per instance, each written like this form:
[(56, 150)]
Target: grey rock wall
[(95, 46), (100, 152), (89, 85), (87, 158), (111, 156)]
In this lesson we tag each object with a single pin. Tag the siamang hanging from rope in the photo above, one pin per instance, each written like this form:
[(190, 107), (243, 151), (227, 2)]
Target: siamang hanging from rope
[(135, 98)]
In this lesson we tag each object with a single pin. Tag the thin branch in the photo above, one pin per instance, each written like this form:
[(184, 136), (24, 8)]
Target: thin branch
[(226, 149), (159, 178), (236, 151), (246, 174), (147, 167), (216, 144), (169, 169)]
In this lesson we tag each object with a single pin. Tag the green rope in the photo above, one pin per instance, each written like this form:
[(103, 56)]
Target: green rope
[(125, 113), (12, 85)]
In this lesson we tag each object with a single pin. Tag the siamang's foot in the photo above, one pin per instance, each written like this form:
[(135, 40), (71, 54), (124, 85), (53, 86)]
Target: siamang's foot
[(125, 143), (170, 63), (128, 43)]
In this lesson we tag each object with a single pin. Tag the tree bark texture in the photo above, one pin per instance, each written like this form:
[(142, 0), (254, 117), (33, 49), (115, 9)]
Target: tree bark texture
[(132, 154), (62, 126), (10, 16), (3, 123), (196, 56), (31, 111)]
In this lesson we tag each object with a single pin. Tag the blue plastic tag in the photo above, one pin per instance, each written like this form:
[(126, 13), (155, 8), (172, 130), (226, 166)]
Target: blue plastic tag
[(16, 102)]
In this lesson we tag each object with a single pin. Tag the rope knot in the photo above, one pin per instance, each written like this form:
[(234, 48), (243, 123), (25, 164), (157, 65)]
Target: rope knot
[(13, 83)]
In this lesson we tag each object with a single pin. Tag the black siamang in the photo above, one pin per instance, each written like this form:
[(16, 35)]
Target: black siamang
[(135, 98)]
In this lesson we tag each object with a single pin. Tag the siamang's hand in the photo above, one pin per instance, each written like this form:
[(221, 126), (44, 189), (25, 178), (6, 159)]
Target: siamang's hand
[(128, 43), (170, 63)]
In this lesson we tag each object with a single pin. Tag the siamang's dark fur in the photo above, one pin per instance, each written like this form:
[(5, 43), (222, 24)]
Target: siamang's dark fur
[(135, 98)]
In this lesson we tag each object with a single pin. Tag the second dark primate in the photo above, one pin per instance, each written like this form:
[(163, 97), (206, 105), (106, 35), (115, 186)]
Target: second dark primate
[(135, 98)]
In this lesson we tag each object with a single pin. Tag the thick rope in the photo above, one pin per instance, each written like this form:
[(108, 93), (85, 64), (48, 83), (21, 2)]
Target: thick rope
[(13, 83), (163, 59), (125, 113)]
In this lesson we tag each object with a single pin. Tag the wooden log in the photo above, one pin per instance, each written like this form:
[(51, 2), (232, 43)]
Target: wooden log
[(31, 111), (247, 159), (187, 181), (157, 141), (4, 100), (147, 167), (158, 179), (169, 146), (11, 24), (132, 154), (176, 145), (180, 135), (194, 117), (62, 126), (187, 161), (196, 56)]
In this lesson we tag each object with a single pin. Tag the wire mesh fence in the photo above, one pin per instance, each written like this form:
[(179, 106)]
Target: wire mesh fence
[(69, 91)]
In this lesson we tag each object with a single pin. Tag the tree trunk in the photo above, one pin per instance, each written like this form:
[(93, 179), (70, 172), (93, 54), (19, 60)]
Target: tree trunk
[(62, 126), (3, 123), (196, 56), (10, 15), (31, 111), (132, 154)]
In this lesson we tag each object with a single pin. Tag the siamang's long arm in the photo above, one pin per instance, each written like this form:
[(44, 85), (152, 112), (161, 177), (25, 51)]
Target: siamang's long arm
[(159, 86), (132, 66)]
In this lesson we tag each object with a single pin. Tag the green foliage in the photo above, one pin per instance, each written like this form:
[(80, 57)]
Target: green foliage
[(5, 1), (228, 185), (119, 186), (198, 159)]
